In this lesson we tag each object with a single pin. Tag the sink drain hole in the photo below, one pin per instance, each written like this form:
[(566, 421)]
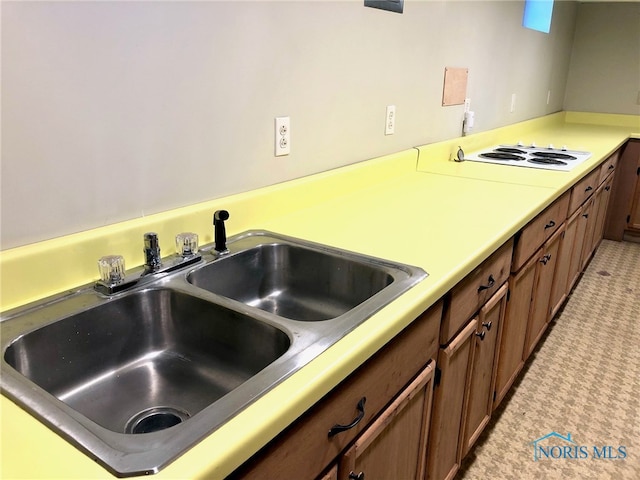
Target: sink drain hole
[(155, 419)]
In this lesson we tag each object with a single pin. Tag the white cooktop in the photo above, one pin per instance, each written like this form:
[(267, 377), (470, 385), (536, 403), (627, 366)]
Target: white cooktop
[(531, 156)]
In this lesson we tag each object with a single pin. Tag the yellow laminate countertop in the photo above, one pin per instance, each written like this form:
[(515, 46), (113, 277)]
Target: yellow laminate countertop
[(415, 207)]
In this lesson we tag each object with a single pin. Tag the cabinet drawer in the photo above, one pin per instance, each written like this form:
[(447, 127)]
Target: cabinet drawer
[(582, 190), (608, 166), (472, 292), (305, 449), (538, 230)]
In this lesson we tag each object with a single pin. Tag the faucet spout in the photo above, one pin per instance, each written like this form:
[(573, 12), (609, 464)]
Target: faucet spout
[(220, 232), (152, 258)]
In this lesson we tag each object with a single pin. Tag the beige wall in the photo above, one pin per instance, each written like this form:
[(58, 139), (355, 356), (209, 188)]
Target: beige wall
[(115, 110), (604, 74)]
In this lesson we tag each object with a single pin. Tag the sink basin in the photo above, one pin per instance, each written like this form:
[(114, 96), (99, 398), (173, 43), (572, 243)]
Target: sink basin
[(136, 377), (147, 361), (293, 281)]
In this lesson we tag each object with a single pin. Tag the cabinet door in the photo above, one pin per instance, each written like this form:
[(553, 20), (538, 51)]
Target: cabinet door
[(395, 444), (482, 377), (624, 185), (634, 217), (514, 329), (559, 289), (575, 265), (600, 207), (443, 458), (591, 212), (539, 315), (602, 211)]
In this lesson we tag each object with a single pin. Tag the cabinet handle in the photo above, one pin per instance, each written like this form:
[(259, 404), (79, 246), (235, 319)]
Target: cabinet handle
[(551, 224), (544, 260), (588, 189), (341, 428), (607, 188), (492, 281), (585, 215), (487, 325), (481, 335), (611, 167), (356, 476)]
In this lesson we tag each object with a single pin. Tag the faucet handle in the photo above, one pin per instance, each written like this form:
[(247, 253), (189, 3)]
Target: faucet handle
[(111, 269), (187, 244)]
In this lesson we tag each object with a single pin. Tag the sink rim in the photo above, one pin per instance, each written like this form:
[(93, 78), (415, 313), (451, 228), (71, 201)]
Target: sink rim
[(127, 454)]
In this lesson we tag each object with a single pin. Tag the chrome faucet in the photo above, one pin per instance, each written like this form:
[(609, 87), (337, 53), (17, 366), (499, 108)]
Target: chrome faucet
[(220, 233), (115, 279), (152, 258)]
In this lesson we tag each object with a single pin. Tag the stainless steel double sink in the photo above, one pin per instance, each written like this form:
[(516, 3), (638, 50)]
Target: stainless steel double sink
[(137, 378)]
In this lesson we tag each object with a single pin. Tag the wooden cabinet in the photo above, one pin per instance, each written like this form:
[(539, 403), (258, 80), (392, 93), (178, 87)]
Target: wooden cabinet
[(443, 458), (575, 262), (304, 449), (590, 214), (514, 329), (584, 189), (601, 202), (479, 401), (559, 290), (472, 292), (633, 222), (623, 215), (539, 315), (538, 230), (608, 166), (394, 446), (464, 389)]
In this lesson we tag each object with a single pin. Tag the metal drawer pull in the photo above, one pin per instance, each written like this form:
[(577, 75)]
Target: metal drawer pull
[(487, 325), (341, 428), (551, 224), (356, 476), (544, 260), (492, 281), (588, 189), (611, 167), (481, 335), (607, 188), (585, 215)]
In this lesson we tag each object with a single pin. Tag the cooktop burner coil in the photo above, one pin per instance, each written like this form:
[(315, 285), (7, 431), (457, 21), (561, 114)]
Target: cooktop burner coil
[(547, 161), (556, 155), (510, 150), (502, 156)]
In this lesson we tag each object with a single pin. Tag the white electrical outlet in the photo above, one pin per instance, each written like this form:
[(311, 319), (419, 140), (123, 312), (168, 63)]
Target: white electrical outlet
[(467, 105), (512, 108), (548, 96), (390, 120), (282, 136)]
